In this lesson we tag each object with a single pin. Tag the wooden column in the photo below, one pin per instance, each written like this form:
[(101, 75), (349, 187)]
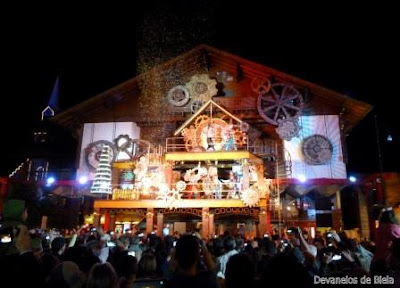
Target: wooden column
[(254, 230), (160, 224), (260, 179), (220, 229), (149, 220), (337, 221), (168, 175), (106, 225), (263, 219), (364, 218), (205, 217), (211, 226), (268, 217), (248, 230), (111, 226), (246, 174), (96, 218)]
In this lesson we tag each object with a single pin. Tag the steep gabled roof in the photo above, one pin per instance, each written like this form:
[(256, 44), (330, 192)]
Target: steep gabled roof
[(319, 100), (202, 109)]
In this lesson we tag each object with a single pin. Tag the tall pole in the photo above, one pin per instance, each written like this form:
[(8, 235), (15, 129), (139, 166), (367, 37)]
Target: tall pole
[(278, 188), (380, 160)]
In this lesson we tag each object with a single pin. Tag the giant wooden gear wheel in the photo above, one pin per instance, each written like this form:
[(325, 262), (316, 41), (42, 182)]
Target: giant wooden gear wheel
[(282, 101), (178, 95), (317, 150)]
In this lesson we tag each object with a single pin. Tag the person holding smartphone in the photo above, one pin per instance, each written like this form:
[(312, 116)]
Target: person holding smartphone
[(189, 252), (19, 265)]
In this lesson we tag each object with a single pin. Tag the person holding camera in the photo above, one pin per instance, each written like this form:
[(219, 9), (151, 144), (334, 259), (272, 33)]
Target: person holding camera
[(17, 261)]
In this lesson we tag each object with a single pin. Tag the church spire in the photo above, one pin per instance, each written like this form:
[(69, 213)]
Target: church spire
[(49, 111)]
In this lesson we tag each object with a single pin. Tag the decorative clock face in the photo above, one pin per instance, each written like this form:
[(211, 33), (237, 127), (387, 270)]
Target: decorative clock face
[(317, 150), (212, 134), (93, 152)]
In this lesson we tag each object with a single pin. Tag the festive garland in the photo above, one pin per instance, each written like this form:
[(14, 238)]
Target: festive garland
[(172, 197)]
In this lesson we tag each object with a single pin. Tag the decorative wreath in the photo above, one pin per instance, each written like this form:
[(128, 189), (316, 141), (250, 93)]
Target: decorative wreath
[(203, 172), (181, 185), (172, 198), (288, 128), (250, 197)]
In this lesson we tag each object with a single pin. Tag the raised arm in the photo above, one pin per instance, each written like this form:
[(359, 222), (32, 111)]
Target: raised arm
[(304, 245)]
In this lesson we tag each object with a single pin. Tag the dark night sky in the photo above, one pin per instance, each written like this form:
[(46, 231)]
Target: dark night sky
[(344, 50)]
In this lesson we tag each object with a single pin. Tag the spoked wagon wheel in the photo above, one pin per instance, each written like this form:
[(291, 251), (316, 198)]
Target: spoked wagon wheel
[(282, 101)]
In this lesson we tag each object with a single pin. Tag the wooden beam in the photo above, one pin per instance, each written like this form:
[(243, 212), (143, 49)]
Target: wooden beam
[(204, 156), (184, 203)]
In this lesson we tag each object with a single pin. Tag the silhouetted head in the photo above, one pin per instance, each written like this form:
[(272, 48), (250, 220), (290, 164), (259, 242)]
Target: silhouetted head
[(239, 271), (229, 243), (102, 275), (388, 216), (187, 251)]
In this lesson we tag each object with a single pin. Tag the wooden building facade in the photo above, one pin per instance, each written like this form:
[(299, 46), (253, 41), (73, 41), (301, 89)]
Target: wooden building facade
[(214, 120)]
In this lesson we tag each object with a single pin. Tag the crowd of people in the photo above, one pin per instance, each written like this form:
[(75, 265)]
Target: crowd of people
[(91, 257)]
